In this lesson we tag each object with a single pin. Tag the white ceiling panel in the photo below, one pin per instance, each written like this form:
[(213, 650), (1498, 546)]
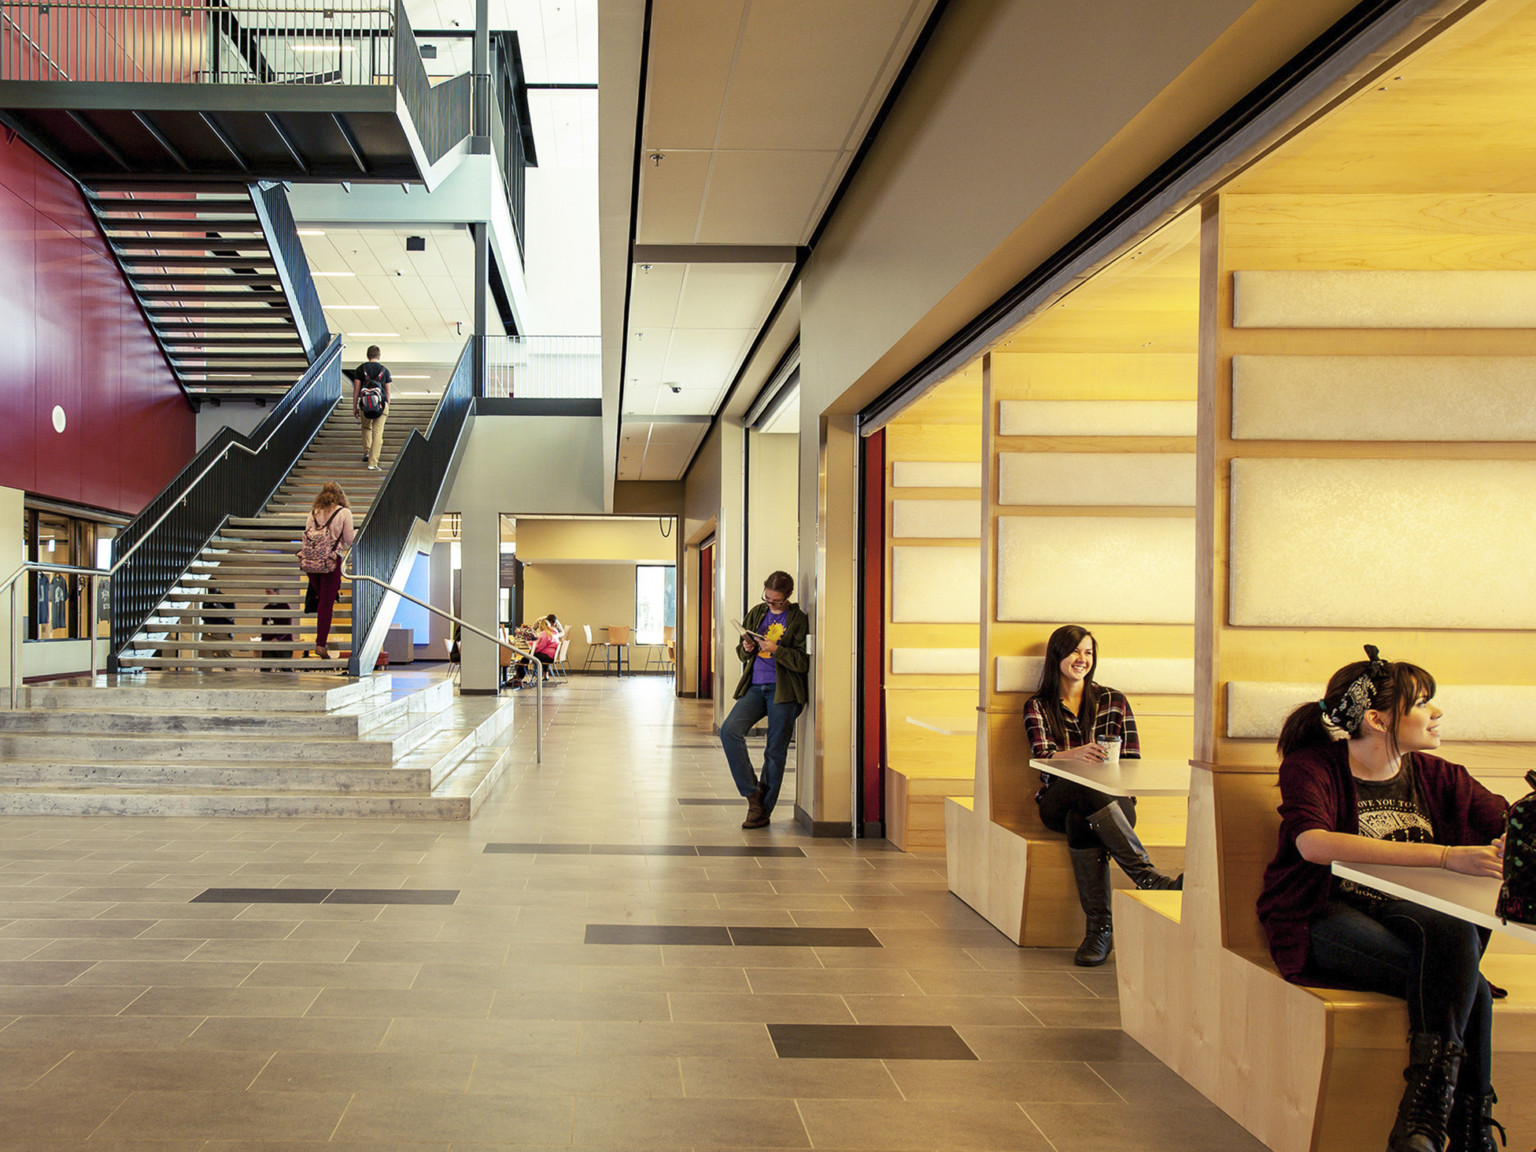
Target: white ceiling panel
[(805, 70), (693, 45), (672, 197), (765, 197), (654, 295), (728, 295), (699, 357)]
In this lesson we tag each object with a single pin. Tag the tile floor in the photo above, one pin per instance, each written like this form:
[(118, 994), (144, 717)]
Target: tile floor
[(146, 1006)]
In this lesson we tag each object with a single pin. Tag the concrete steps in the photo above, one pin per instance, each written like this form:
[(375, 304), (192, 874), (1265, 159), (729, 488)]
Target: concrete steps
[(185, 744)]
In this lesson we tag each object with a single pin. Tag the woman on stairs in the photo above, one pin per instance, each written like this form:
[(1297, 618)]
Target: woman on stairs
[(1067, 718), (1357, 784), (328, 533)]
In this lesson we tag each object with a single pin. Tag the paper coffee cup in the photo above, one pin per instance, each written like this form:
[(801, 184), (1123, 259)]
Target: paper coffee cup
[(1111, 751)]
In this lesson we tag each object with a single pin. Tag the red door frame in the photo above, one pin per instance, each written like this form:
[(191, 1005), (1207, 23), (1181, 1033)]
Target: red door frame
[(706, 687)]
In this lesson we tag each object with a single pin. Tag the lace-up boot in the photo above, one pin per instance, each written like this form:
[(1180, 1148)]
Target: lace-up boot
[(1425, 1110)]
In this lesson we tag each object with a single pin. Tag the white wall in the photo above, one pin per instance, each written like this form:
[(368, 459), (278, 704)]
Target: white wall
[(531, 464), (240, 417), (561, 251)]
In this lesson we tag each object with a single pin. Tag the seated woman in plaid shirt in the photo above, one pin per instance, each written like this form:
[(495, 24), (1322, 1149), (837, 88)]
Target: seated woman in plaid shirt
[(1065, 720)]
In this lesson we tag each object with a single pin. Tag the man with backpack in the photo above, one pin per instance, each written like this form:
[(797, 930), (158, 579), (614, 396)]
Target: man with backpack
[(370, 404)]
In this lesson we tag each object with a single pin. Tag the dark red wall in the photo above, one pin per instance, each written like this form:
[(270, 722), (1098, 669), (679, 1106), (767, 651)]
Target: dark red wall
[(72, 335)]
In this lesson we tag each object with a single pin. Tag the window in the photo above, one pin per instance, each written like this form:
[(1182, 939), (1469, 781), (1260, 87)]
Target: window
[(655, 602), (56, 609)]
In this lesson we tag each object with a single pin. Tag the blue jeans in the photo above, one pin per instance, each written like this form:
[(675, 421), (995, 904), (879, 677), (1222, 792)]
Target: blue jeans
[(1424, 957), (752, 707)]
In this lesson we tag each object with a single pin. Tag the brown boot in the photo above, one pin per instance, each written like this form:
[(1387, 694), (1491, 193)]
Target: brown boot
[(755, 817)]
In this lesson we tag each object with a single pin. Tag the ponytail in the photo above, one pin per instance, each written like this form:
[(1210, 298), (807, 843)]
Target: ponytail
[(1304, 728), (1389, 686)]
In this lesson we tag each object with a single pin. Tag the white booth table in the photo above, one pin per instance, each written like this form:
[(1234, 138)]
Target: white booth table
[(946, 725), (1127, 778), (1470, 898)]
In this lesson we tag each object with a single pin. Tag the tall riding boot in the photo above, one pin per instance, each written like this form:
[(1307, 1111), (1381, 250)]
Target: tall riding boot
[(1425, 1110), (1091, 871), (1112, 827), (1472, 1123)]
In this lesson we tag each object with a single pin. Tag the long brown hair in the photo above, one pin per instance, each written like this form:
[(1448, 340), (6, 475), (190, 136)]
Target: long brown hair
[(1396, 686), (330, 495), (1063, 642)]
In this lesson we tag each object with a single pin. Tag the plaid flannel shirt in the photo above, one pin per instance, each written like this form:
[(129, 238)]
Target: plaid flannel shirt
[(1114, 719)]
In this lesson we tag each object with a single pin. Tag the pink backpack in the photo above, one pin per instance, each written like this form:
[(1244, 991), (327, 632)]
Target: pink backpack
[(317, 555)]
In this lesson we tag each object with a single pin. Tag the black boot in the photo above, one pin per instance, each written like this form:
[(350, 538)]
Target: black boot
[(1425, 1110), (1472, 1123), (1091, 871), (1114, 829)]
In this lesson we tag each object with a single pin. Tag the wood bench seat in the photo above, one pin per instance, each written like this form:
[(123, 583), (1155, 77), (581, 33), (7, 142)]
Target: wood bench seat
[(914, 802)]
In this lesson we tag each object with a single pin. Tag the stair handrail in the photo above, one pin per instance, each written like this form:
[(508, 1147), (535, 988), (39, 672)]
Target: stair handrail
[(95, 574), (270, 200), (439, 112), (208, 492), (413, 490), (538, 665)]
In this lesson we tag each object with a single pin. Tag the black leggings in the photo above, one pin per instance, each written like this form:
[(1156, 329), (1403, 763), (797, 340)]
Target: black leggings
[(1424, 957), (1066, 805)]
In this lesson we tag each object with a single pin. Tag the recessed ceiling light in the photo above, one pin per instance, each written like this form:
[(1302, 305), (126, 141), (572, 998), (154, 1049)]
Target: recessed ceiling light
[(311, 232), (397, 376), (324, 48), (333, 273)]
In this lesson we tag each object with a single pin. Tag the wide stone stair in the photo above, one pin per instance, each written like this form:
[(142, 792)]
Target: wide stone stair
[(210, 744), (249, 572)]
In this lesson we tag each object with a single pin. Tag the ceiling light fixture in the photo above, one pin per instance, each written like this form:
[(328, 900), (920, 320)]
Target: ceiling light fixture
[(397, 376), (311, 232), (333, 273), (324, 48)]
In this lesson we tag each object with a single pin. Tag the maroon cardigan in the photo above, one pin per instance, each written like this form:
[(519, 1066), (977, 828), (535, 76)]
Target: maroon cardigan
[(1317, 790)]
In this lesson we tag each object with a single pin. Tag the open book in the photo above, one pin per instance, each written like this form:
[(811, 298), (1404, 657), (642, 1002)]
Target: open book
[(737, 624)]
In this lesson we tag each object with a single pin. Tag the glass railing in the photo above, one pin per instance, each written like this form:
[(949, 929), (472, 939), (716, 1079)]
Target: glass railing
[(544, 367)]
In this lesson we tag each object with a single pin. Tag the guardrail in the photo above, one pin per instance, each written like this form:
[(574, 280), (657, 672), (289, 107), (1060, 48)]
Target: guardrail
[(271, 202), (412, 491), (153, 551), (544, 367)]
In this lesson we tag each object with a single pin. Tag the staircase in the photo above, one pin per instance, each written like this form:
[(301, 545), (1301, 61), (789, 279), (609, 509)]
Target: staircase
[(305, 746), (249, 572), (202, 267)]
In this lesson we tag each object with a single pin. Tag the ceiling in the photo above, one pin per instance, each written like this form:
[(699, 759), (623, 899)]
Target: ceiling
[(417, 306), (753, 112)]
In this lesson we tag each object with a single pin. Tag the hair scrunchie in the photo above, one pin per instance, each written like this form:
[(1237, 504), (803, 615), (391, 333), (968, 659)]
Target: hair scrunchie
[(1347, 710)]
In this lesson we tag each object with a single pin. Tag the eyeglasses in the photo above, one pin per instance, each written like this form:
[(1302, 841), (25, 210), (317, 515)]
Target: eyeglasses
[(774, 601)]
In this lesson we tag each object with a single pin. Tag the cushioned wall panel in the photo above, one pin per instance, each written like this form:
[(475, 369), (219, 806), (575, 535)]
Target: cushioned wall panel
[(1473, 712), (1131, 479), (1097, 418), (1357, 299), (936, 519), (1098, 569), (1133, 675), (935, 661), (935, 474), (1383, 398), (936, 585), (1383, 543)]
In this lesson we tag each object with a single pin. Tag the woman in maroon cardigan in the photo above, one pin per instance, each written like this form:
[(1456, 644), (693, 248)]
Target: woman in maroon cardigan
[(1357, 784)]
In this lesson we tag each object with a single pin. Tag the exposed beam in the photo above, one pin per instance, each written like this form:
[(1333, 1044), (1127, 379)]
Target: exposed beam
[(170, 149), (658, 418), (287, 143), (351, 143), (223, 138), (101, 141), (716, 254)]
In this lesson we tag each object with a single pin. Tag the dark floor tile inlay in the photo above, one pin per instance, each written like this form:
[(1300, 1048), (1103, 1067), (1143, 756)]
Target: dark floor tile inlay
[(868, 1042), (261, 896), (733, 801), (326, 896), (804, 938), (657, 934), (647, 850)]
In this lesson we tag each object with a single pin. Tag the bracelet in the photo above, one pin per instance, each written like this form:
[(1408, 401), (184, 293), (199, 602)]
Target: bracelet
[(1444, 855)]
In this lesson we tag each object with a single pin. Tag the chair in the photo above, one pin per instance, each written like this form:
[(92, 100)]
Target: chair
[(562, 665), (618, 648), (594, 649), (453, 665), (660, 655)]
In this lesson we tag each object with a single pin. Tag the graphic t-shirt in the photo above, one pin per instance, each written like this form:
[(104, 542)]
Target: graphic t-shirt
[(1389, 810), (765, 669)]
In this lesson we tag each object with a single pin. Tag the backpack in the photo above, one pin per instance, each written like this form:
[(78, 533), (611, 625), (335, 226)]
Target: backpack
[(317, 554), (370, 397), (1517, 896)]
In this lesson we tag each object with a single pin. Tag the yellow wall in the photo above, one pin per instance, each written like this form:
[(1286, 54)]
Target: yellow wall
[(595, 594), (638, 540)]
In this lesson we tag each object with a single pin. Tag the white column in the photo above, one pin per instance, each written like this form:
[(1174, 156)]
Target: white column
[(480, 556)]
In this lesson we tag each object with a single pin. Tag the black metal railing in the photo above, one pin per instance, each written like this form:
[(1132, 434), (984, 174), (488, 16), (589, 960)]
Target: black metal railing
[(233, 475), (511, 125), (411, 492), (440, 113), (277, 223)]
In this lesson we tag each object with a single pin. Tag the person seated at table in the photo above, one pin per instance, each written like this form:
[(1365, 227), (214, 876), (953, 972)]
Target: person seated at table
[(1357, 784), (1066, 719), (545, 645)]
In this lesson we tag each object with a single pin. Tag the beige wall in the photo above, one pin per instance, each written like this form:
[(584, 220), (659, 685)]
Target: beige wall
[(579, 594), (637, 540), (773, 505)]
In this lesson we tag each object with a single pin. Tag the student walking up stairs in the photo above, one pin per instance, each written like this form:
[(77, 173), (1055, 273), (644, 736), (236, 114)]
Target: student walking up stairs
[(240, 604)]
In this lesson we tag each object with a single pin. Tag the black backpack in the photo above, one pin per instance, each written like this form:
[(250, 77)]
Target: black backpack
[(370, 397), (1517, 897)]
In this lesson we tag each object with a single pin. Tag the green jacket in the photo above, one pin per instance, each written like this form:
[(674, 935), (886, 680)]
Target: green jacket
[(792, 662)]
